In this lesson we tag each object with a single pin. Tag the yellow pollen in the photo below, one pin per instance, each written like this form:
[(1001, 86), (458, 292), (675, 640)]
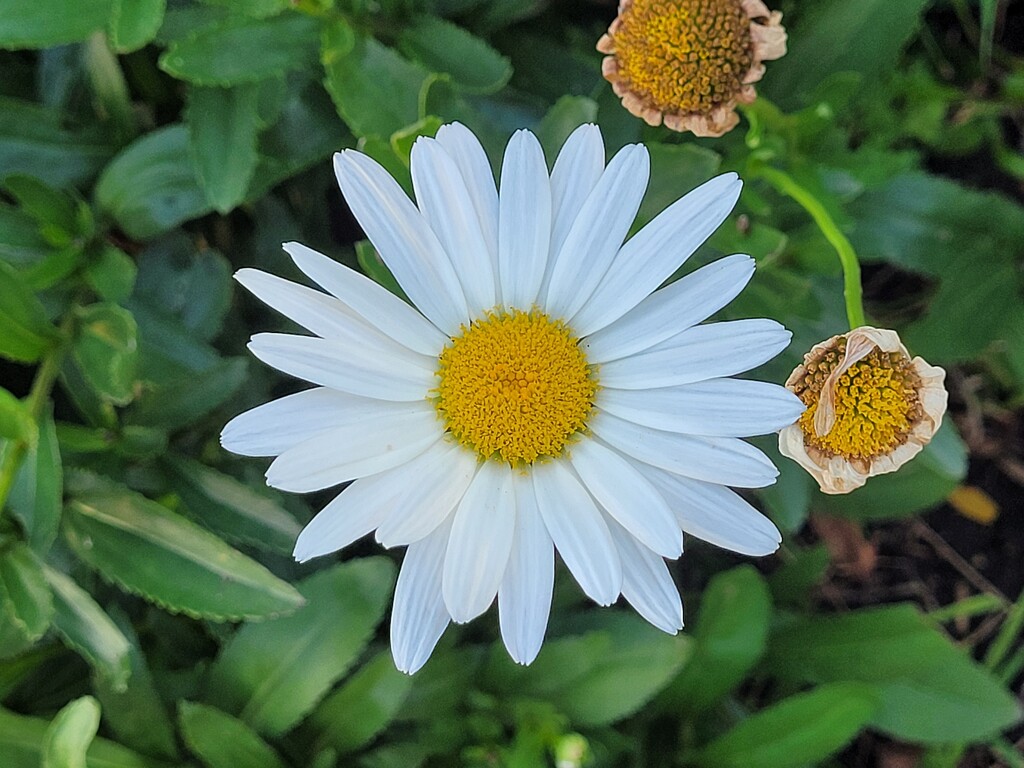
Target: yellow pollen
[(514, 386), (876, 404), (684, 55)]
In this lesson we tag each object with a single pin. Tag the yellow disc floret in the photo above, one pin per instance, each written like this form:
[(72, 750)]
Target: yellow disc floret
[(684, 55), (514, 386), (876, 403)]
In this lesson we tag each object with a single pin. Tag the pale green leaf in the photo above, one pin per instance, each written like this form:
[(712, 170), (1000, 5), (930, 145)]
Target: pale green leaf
[(105, 348), (25, 598), (70, 734), (25, 333), (134, 23)]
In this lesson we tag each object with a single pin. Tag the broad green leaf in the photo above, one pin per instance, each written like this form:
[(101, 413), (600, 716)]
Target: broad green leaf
[(352, 716), (25, 599), (567, 114), (136, 714), (147, 188), (42, 23), (38, 493), (105, 348), (837, 36), (55, 212), (169, 351), (443, 47), (231, 509), (70, 734), (111, 273), (222, 741), (729, 639), (675, 170), (272, 674), (21, 243), (133, 23), (179, 402), (255, 8), (136, 542), (88, 630), (21, 746), (16, 422), (243, 50), (795, 732), (25, 333), (223, 126), (928, 690), (792, 583), (36, 140), (359, 71)]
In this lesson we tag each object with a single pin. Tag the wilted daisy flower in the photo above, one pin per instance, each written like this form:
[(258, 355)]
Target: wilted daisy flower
[(536, 395), (688, 63), (870, 408)]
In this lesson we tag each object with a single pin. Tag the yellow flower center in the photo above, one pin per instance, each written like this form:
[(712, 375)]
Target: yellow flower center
[(684, 55), (876, 404), (514, 386)]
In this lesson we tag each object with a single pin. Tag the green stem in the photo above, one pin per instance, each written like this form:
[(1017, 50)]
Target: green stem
[(785, 184)]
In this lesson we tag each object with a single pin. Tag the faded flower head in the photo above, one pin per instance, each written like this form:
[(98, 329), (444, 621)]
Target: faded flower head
[(688, 63), (870, 408)]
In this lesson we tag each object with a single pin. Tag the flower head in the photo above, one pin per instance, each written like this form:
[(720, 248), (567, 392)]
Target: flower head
[(870, 408), (688, 63), (538, 394)]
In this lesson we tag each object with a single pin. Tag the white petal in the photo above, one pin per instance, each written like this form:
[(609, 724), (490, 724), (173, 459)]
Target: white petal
[(578, 167), (647, 583), (716, 514), (699, 353), (465, 150), (674, 308), (524, 597), (356, 450), (419, 617), (480, 542), (374, 303), (274, 427), (403, 239), (435, 483), (353, 513), (579, 531), (524, 221), (650, 257), (447, 206), (599, 229), (724, 460), (369, 371), (628, 497), (717, 407)]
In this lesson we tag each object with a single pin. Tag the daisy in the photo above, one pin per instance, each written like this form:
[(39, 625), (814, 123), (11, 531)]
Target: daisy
[(870, 408), (537, 394), (688, 63)]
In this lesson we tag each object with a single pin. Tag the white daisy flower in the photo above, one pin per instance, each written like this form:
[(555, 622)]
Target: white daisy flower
[(538, 394)]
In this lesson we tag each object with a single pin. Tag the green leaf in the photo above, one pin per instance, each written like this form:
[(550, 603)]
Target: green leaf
[(105, 349), (71, 733), (25, 333), (21, 243), (255, 8), (21, 746), (55, 212), (35, 139), (16, 423), (838, 36), (179, 402), (88, 630), (928, 690), (223, 126), (134, 23), (231, 508), (38, 493), (795, 732), (358, 72), (729, 639), (675, 170), (147, 189), (221, 741), (111, 273), (567, 114), (470, 62), (273, 674), (351, 717), (136, 542), (243, 50), (25, 599), (43, 23)]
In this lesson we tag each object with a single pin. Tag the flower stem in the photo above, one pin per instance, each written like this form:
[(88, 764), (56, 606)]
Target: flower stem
[(785, 184)]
